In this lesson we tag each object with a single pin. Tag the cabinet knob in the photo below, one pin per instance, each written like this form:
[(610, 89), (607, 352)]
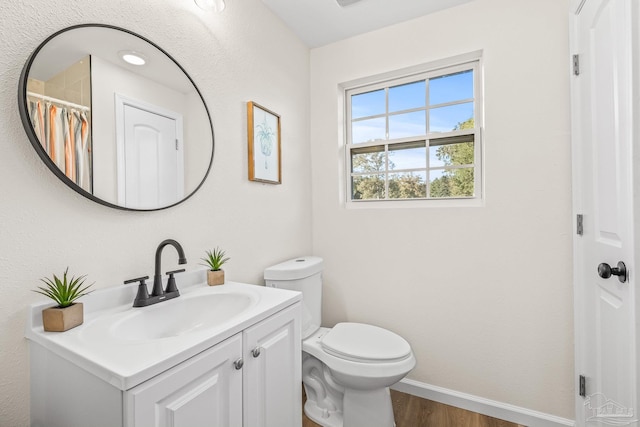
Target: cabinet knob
[(256, 351), (238, 364)]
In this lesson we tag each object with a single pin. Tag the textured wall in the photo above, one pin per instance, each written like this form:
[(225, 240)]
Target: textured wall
[(484, 295), (243, 54)]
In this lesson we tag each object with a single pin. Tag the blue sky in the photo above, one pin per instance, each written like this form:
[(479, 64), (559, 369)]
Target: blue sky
[(445, 89)]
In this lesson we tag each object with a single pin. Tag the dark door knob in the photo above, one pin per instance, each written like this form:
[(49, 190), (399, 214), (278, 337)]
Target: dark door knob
[(605, 271)]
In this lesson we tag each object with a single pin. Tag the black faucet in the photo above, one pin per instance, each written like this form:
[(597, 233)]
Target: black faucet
[(143, 298), (157, 278)]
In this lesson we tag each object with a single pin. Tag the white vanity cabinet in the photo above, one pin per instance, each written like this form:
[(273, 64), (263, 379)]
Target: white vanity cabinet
[(272, 390), (205, 390), (245, 381), (245, 374)]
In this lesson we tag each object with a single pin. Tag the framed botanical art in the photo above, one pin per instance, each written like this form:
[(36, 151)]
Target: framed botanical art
[(263, 129)]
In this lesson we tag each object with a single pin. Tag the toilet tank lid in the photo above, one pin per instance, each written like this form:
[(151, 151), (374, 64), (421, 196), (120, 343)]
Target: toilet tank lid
[(294, 269)]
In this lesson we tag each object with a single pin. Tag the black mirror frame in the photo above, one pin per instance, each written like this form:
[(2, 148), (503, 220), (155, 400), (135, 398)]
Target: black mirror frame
[(35, 142)]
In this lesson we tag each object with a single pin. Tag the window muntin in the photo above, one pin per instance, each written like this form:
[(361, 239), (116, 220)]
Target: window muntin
[(415, 137)]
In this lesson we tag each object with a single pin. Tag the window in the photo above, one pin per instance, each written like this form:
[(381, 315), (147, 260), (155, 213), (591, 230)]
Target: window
[(415, 137)]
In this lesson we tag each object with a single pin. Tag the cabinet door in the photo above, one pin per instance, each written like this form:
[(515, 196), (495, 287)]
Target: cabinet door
[(204, 391), (272, 371)]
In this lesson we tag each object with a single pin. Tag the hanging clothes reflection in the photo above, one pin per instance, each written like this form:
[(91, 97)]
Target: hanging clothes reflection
[(63, 131)]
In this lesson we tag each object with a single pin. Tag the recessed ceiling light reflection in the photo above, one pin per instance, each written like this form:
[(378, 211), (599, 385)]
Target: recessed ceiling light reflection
[(133, 58)]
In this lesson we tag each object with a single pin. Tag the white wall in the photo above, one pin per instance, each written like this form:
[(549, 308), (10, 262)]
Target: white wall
[(484, 295), (243, 54)]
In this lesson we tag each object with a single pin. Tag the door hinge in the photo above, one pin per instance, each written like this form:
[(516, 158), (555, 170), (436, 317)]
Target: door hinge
[(576, 65), (177, 145), (579, 225), (582, 386)]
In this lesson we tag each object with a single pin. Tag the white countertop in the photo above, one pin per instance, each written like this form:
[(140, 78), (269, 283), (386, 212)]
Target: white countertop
[(126, 363)]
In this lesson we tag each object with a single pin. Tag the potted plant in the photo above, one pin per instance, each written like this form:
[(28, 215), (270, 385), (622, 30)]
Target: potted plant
[(67, 313), (215, 260)]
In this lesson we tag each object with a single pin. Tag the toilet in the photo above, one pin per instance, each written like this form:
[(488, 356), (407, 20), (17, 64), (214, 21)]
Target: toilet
[(347, 369)]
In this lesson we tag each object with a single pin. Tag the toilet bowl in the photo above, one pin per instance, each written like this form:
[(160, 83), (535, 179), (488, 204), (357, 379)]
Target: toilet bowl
[(347, 369)]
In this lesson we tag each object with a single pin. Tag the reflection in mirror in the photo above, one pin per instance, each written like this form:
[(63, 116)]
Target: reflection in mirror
[(60, 113), (116, 118)]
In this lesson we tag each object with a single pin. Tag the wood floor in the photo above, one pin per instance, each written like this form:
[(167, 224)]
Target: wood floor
[(412, 411)]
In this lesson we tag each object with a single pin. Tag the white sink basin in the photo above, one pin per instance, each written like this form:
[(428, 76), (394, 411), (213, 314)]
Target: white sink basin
[(126, 346), (180, 316)]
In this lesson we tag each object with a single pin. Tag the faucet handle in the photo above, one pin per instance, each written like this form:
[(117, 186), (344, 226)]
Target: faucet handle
[(142, 297), (171, 283), (137, 279)]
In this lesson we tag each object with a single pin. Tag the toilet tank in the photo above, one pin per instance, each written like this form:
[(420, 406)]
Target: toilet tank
[(303, 274)]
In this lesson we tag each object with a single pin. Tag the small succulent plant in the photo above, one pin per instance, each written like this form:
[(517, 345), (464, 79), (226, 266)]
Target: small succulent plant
[(215, 259), (66, 291)]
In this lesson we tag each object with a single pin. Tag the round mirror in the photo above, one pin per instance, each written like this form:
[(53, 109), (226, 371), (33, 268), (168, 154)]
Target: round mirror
[(116, 118)]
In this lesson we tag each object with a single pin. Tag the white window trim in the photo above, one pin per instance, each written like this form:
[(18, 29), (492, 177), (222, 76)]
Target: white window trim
[(398, 77)]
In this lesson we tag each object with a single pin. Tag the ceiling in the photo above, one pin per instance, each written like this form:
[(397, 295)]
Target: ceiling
[(320, 22)]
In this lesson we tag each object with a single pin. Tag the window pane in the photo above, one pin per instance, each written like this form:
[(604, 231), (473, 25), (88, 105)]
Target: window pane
[(408, 96), (368, 130), (407, 125), (451, 183), (408, 156), (368, 104), (409, 185), (453, 117), (370, 159), (451, 154), (452, 87), (367, 187)]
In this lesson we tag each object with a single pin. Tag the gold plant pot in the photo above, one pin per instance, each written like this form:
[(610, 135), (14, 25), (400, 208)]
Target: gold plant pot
[(215, 277), (56, 319)]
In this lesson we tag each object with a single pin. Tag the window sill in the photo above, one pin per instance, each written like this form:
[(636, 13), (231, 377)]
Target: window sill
[(421, 204)]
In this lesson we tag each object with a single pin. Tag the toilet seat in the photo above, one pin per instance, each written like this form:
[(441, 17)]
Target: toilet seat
[(364, 343), (358, 369)]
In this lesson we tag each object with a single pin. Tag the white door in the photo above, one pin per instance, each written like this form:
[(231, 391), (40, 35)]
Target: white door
[(150, 152), (204, 391), (151, 159), (273, 372), (603, 194)]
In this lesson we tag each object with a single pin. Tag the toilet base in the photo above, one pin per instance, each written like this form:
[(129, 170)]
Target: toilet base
[(378, 412), (321, 416), (331, 405), (324, 397)]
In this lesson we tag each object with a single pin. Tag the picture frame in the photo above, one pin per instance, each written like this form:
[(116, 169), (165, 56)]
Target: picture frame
[(263, 135)]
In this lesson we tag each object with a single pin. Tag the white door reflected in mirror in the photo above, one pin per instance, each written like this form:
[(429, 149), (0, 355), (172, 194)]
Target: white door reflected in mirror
[(153, 160)]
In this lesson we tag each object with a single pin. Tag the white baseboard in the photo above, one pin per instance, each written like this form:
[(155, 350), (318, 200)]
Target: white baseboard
[(491, 408)]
